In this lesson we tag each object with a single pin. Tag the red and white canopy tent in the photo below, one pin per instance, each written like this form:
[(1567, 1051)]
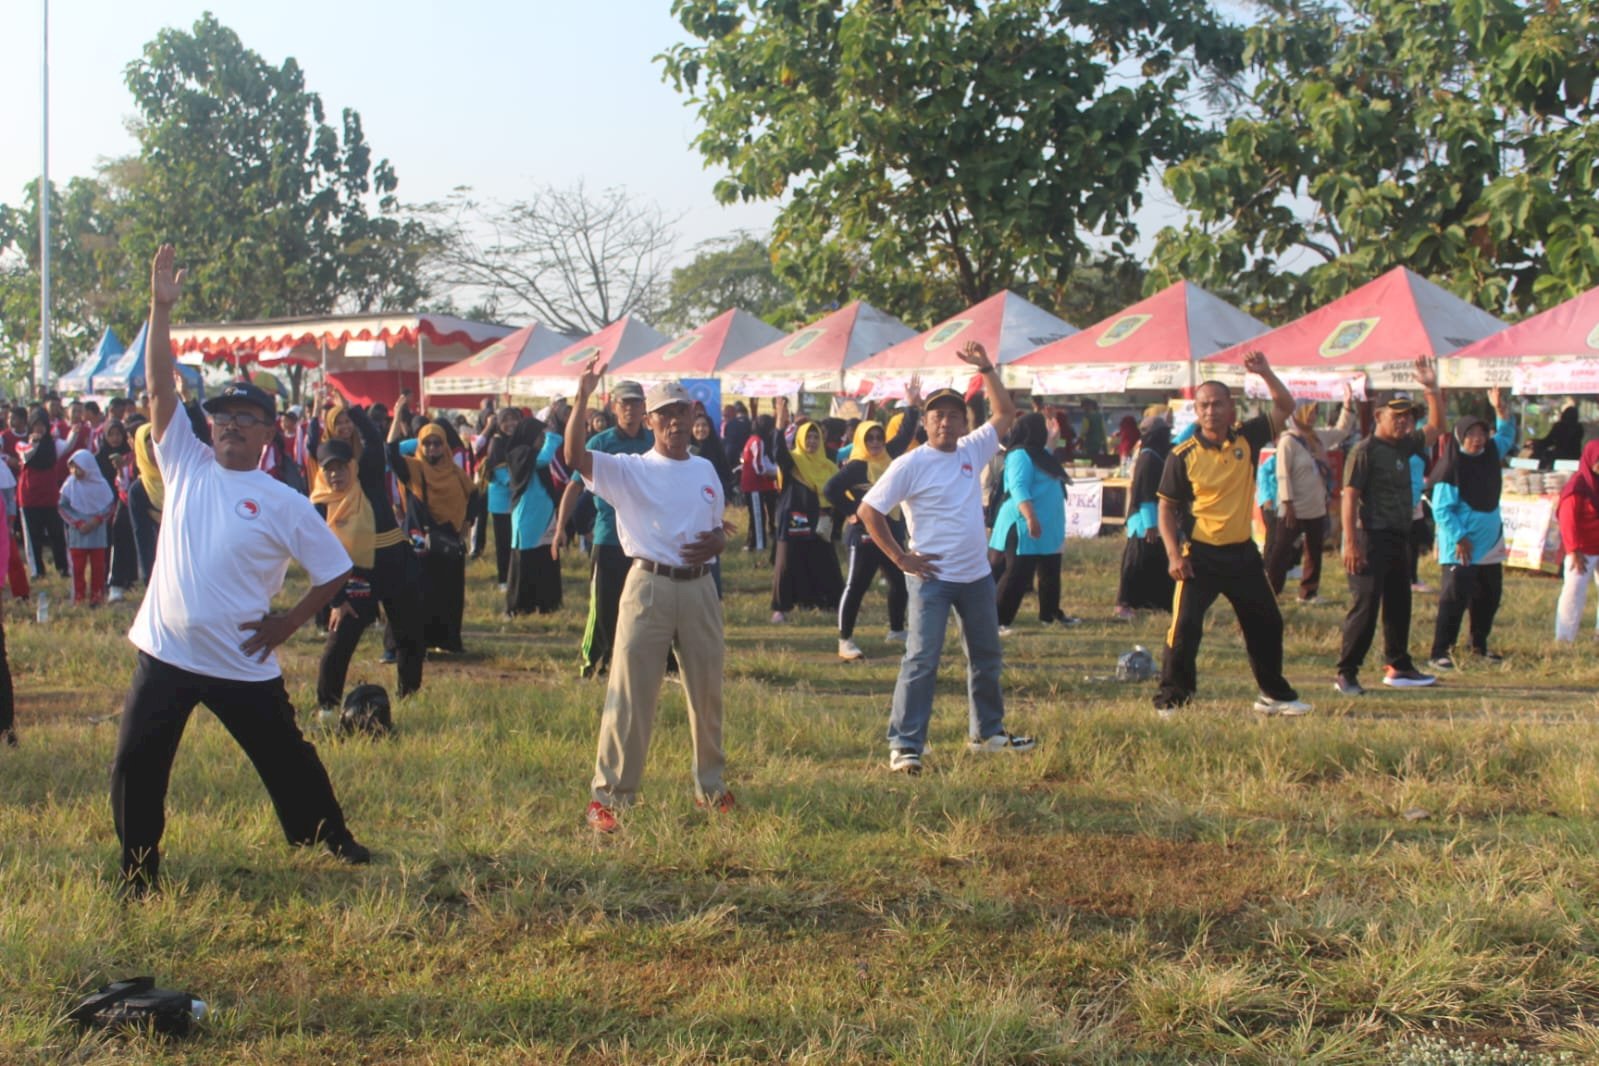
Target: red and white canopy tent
[(1005, 324), (557, 375), (1151, 345), (369, 358), (485, 375), (1370, 336), (704, 352), (814, 358), (1553, 352)]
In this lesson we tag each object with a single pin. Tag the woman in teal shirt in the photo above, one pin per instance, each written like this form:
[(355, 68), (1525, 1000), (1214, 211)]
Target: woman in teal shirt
[(1030, 528), (535, 575)]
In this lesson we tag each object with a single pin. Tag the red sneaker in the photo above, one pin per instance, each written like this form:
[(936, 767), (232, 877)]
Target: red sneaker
[(722, 805), (601, 818)]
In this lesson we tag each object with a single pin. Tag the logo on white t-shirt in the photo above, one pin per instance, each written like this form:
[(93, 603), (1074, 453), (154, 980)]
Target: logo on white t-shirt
[(966, 470), (247, 509), (709, 493)]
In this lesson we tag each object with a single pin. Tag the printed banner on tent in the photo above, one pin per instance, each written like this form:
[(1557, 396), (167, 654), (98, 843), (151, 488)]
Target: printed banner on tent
[(1085, 504), (1572, 376), (893, 387), (764, 388), (1080, 380), (1307, 385), (1530, 532)]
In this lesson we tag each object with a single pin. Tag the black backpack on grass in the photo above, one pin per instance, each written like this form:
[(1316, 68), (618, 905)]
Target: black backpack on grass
[(137, 1003), (366, 710)]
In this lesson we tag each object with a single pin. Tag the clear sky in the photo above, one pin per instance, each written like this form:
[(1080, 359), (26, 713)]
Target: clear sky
[(502, 96)]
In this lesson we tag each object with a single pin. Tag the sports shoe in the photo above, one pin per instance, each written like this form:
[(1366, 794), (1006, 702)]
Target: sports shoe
[(778, 618), (389, 658), (905, 761), (1314, 601), (1005, 631), (1443, 662), (1419, 586), (1001, 742), (1487, 656), (1124, 614), (895, 636), (502, 586), (346, 849), (1065, 621), (601, 818), (1407, 678), (849, 651), (723, 804), (115, 594), (1281, 708), (1347, 685)]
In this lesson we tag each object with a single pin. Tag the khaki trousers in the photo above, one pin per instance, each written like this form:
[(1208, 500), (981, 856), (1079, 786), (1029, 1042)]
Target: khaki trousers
[(654, 611)]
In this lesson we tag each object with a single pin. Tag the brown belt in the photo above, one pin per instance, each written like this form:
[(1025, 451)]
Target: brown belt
[(676, 573)]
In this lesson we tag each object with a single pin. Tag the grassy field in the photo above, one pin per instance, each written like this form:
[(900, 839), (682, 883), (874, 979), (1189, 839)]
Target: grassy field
[(1409, 877)]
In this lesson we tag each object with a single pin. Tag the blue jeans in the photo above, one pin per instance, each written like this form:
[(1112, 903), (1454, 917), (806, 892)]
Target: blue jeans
[(929, 607)]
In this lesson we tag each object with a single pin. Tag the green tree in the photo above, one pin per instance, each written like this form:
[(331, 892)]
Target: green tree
[(1456, 137), (733, 271), (932, 153), (272, 209)]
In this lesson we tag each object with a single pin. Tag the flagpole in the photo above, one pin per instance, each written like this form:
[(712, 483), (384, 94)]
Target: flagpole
[(44, 209)]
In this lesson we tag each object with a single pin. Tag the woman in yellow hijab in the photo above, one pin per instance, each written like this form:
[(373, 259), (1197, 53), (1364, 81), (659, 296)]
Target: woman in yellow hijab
[(806, 567), (145, 499), (439, 494)]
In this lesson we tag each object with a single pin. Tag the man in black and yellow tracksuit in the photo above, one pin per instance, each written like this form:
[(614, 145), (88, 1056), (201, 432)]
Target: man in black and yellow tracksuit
[(1206, 492)]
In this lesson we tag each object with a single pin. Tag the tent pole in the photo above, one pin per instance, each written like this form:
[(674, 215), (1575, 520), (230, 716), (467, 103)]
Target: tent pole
[(421, 375)]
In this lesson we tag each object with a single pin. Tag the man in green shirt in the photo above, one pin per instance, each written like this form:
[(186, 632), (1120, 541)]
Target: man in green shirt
[(1377, 505)]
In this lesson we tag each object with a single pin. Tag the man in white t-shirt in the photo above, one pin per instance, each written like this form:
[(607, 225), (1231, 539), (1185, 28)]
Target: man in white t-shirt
[(206, 631), (669, 519), (946, 567)]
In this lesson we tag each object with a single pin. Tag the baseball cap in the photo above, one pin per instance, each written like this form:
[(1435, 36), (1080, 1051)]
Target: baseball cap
[(1403, 402), (335, 451), (939, 395), (665, 395), (627, 390), (242, 392)]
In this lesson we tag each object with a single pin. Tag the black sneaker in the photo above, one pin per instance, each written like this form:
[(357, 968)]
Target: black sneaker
[(1487, 656), (1442, 662), (1411, 678), (344, 847), (1347, 685)]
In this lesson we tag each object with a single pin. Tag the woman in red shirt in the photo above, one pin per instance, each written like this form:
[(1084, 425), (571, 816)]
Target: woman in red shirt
[(1578, 512), (44, 471)]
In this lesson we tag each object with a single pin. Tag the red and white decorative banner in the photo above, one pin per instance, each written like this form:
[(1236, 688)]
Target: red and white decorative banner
[(1574, 376), (1087, 380), (1308, 385)]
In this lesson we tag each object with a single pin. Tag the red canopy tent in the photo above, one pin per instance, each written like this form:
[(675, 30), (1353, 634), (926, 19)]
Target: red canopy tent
[(556, 375), (1371, 335), (484, 376), (1005, 324), (1150, 345), (704, 352), (813, 359), (1555, 351), (369, 358)]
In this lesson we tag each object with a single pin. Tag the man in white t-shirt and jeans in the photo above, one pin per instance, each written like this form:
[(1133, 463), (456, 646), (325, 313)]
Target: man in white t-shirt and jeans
[(946, 567), (669, 519), (206, 631)]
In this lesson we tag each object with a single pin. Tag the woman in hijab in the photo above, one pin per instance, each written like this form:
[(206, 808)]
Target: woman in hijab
[(535, 575), (1466, 482), (1563, 441), (1304, 485), (1146, 583), (757, 479), (1578, 514), (146, 496), (871, 454), (1127, 437), (439, 496), (805, 570), (115, 456), (44, 471), (707, 445), (494, 475), (353, 489), (87, 503), (1030, 525)]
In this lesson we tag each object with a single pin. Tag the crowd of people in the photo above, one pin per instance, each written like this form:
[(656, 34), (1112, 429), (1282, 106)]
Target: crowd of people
[(955, 503)]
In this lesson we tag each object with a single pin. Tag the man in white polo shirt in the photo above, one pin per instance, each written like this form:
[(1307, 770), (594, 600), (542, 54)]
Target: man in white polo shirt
[(946, 566), (669, 519), (206, 631)]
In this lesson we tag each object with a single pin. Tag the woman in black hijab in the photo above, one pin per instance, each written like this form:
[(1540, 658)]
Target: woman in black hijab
[(115, 458), (1145, 582), (1563, 441)]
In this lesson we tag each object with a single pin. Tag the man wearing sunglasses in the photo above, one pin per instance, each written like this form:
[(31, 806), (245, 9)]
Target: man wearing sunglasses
[(206, 630)]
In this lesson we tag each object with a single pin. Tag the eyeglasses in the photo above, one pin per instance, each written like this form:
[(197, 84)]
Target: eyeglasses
[(241, 419)]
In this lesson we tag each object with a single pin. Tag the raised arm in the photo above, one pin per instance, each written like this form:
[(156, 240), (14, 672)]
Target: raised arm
[(576, 445), (166, 285), (1002, 409), (1427, 378), (1282, 401)]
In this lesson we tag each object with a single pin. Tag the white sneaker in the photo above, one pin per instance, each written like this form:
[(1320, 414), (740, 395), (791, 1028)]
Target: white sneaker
[(905, 761), (1001, 742), (1283, 708), (778, 618), (848, 651), (1005, 631), (115, 594), (895, 636), (502, 586)]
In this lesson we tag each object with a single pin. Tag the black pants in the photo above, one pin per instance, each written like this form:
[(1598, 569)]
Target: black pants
[(1268, 517), (1473, 589), (502, 546), (1280, 559), (396, 584), (866, 561), (259, 716), (478, 515), (1145, 580), (806, 573), (1384, 585), (1420, 540), (46, 531), (8, 711), (606, 577), (535, 582), (146, 529), (1236, 572), (444, 600), (761, 532), (124, 552), (1018, 578)]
